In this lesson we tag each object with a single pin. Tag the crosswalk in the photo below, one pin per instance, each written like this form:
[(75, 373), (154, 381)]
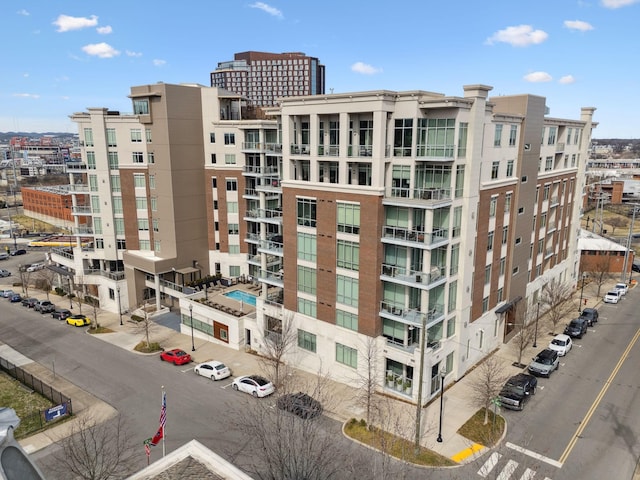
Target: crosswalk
[(508, 470)]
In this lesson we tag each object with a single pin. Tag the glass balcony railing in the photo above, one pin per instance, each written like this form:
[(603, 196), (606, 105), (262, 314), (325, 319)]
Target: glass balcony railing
[(415, 235)]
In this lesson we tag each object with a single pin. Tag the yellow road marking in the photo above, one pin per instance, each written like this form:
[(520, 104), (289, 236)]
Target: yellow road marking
[(467, 452)]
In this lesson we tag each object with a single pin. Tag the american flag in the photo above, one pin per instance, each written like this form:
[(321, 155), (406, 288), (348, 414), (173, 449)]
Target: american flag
[(163, 410)]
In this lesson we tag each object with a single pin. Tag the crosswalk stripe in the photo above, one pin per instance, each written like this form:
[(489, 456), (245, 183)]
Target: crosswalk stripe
[(528, 474), (506, 472), (489, 464)]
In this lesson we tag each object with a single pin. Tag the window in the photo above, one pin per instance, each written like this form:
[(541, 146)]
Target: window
[(492, 206), (88, 137), (403, 137), (141, 107), (95, 204), (512, 135), (113, 160), (306, 212), (505, 234), (137, 157), (230, 158), (503, 264), (453, 296), (212, 137), (552, 136), (509, 168), (347, 320), (455, 259), (117, 204), (232, 185), (347, 290), (348, 218), (507, 202), (457, 222), (141, 203), (151, 158), (485, 304), (306, 279), (118, 223), (139, 180), (136, 135), (143, 224), (497, 138), (234, 229), (462, 139), (306, 340), (229, 138), (495, 167), (346, 355), (214, 182), (490, 241), (93, 183), (155, 223), (307, 247), (232, 207), (307, 307), (459, 181), (91, 160), (147, 134), (500, 297), (154, 204), (152, 181), (436, 137), (97, 225), (548, 164), (234, 249), (487, 274), (448, 364), (348, 255), (111, 137), (156, 246), (234, 271)]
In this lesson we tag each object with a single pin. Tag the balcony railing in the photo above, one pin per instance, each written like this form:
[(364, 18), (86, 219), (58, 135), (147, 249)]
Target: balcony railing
[(76, 166), (104, 273), (412, 316), (257, 146), (398, 383), (273, 148), (413, 235), (560, 147), (432, 193), (300, 149), (264, 213), (81, 210), (413, 276), (329, 150), (83, 230), (260, 169), (360, 150), (63, 252), (271, 246), (443, 152)]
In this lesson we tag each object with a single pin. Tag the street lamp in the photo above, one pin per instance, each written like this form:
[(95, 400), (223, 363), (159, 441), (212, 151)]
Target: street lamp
[(535, 334), (584, 276), (119, 309), (70, 294), (442, 375), (193, 345), (423, 339)]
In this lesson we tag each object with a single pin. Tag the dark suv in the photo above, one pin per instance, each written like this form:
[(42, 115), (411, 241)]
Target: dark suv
[(517, 391), (591, 314), (577, 327)]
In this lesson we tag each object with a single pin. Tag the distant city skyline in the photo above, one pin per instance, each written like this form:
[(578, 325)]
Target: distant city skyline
[(65, 58)]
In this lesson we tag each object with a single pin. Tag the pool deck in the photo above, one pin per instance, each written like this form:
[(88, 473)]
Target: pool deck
[(217, 299)]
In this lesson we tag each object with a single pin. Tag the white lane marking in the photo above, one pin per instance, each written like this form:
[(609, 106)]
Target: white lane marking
[(535, 455), (489, 464), (190, 369), (508, 469), (227, 385), (528, 474)]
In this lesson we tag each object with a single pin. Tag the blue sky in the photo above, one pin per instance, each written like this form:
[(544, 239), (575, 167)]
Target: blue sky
[(65, 56)]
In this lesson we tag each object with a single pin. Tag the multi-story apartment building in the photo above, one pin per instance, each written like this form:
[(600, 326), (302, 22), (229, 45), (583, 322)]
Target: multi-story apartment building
[(264, 77), (53, 205), (413, 222)]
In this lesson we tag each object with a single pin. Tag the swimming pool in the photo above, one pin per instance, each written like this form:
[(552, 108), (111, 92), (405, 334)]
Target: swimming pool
[(242, 296)]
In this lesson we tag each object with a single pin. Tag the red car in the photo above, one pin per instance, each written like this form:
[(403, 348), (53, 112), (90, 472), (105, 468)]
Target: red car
[(175, 356)]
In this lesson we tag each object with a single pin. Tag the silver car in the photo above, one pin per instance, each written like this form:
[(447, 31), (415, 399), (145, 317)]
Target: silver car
[(544, 363)]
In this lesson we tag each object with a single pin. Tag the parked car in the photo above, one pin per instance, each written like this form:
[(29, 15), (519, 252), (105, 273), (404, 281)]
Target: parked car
[(61, 314), (15, 298), (34, 267), (6, 293), (4, 256), (576, 328), (517, 391), (175, 356), (29, 302), (591, 314), (78, 320), (300, 404), (544, 363), (44, 306), (561, 343), (4, 273), (20, 251), (635, 267), (623, 288), (214, 370), (254, 384), (612, 296)]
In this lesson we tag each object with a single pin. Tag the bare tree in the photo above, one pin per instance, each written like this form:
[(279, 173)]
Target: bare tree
[(145, 324), (45, 280), (525, 333), (556, 301), (94, 303), (486, 383), (280, 337), (600, 270), (25, 279), (368, 379), (615, 222), (96, 451)]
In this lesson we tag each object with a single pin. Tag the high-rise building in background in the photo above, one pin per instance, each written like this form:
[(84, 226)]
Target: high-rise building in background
[(264, 77)]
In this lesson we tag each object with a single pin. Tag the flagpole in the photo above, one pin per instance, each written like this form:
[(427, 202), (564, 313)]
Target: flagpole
[(163, 400)]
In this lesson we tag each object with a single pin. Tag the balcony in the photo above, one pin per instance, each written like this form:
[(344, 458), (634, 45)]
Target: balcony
[(329, 150), (413, 278), (444, 153), (81, 210), (104, 273), (359, 150), (413, 317), (399, 383), (264, 215), (271, 247), (275, 279), (83, 230), (416, 237), (260, 169), (273, 148), (560, 147), (300, 149), (269, 185), (428, 196), (76, 166), (78, 188), (253, 147)]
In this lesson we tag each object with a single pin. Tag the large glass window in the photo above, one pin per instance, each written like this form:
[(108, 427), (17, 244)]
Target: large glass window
[(93, 183), (139, 180), (111, 137), (307, 279), (400, 180), (88, 137), (403, 137), (307, 307), (347, 320), (346, 355), (117, 204), (347, 290), (348, 217), (551, 139), (136, 135), (462, 139), (513, 133), (95, 204), (348, 255), (497, 138), (113, 160), (459, 181), (436, 137), (141, 203), (97, 225), (119, 225), (141, 107), (306, 340), (307, 247), (137, 157), (306, 212), (91, 160), (229, 138)]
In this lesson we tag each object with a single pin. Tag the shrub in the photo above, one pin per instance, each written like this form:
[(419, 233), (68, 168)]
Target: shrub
[(137, 318)]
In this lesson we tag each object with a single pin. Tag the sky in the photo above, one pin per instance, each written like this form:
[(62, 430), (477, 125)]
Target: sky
[(64, 56)]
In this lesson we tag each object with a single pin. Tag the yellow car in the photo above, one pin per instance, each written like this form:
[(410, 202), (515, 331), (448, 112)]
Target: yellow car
[(78, 320)]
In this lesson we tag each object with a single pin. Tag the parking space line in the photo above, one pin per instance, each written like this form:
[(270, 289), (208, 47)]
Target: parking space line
[(187, 370)]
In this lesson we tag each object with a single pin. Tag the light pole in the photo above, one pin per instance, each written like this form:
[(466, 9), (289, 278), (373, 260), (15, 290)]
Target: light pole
[(193, 345), (442, 375), (535, 334), (423, 339), (70, 294), (119, 309), (584, 276)]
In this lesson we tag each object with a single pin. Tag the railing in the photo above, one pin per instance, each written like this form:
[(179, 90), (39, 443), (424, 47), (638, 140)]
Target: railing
[(359, 150), (76, 187), (300, 149), (271, 246), (81, 210), (414, 276), (83, 230), (252, 192), (432, 193), (168, 284), (445, 152), (104, 273), (273, 148), (264, 213), (252, 146), (329, 150), (412, 316), (62, 252), (76, 166), (272, 276), (416, 235), (260, 169)]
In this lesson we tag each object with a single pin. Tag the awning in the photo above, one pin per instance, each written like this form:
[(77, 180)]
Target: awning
[(187, 270), (508, 306)]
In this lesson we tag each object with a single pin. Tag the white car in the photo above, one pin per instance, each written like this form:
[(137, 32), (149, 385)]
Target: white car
[(622, 288), (254, 384), (213, 370), (35, 266), (561, 343), (612, 296)]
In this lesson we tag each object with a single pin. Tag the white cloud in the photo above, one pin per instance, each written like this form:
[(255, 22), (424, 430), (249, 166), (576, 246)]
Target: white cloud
[(23, 12), (65, 23), (364, 68), (518, 36), (129, 53), (578, 25), (106, 30), (101, 50), (538, 77), (26, 95), (617, 3), (159, 63), (273, 11), (567, 80)]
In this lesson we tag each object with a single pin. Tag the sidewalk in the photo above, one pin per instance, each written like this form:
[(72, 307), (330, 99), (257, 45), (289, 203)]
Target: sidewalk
[(457, 409)]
